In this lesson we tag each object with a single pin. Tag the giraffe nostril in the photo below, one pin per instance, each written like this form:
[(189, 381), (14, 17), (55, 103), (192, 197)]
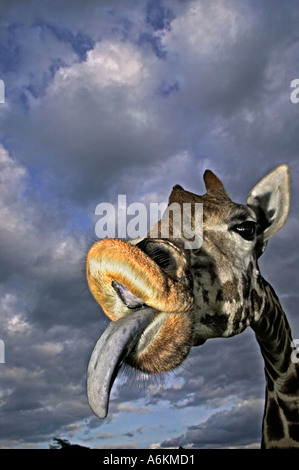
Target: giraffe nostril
[(165, 254), (157, 253), (162, 258)]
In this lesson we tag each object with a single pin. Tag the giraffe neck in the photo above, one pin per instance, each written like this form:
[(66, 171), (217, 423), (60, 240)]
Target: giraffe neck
[(281, 414)]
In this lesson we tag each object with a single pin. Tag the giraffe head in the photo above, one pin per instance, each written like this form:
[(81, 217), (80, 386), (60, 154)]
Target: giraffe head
[(164, 298)]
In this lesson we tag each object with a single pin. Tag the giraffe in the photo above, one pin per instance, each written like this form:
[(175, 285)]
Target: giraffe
[(164, 299)]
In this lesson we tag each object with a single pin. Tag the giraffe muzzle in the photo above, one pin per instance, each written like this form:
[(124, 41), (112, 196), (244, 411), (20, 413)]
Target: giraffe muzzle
[(143, 287), (112, 262)]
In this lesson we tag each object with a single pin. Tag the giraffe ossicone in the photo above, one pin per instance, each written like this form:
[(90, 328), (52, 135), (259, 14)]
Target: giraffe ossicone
[(164, 299)]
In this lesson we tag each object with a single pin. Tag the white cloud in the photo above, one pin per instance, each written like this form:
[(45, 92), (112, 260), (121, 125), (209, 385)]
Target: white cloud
[(18, 325), (108, 64), (236, 427), (49, 349), (20, 375), (204, 28)]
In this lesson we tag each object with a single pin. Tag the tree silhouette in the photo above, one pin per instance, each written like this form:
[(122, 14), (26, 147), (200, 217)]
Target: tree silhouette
[(64, 444)]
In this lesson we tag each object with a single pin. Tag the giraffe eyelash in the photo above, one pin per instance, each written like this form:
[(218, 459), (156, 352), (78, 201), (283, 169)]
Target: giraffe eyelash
[(247, 230)]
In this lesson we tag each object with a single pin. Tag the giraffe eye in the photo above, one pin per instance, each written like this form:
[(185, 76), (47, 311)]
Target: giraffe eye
[(247, 230)]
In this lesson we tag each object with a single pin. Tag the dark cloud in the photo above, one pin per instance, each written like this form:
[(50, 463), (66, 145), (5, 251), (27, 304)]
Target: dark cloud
[(233, 428)]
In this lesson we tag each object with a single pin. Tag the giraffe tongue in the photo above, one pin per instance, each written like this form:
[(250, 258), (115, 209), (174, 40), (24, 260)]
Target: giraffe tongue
[(113, 346)]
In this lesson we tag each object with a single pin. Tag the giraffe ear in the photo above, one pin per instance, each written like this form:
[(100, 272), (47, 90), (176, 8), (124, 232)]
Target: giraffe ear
[(270, 200)]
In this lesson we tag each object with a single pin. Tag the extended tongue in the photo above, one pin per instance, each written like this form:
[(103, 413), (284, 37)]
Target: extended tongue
[(115, 343)]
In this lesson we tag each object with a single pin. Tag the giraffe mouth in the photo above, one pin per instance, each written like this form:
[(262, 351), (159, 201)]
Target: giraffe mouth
[(143, 286), (126, 296)]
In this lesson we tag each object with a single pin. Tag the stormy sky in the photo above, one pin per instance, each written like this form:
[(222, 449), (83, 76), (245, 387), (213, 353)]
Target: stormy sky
[(107, 98)]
